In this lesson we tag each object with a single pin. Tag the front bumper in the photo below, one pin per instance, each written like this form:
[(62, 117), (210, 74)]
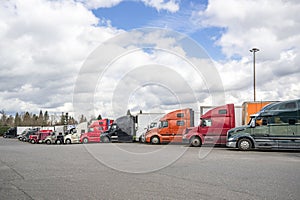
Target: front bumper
[(185, 141), (231, 144)]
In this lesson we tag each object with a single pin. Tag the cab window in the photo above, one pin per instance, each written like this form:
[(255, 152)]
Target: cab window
[(91, 130), (206, 122), (180, 123), (163, 124), (180, 115)]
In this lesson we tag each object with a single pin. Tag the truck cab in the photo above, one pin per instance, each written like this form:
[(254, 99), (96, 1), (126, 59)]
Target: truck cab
[(213, 127), (54, 138), (122, 130), (10, 133), (95, 130), (171, 127), (39, 136), (72, 137), (27, 134), (277, 126)]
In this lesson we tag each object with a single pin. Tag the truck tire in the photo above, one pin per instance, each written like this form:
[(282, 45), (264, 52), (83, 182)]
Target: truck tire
[(48, 142), (85, 141), (68, 141), (155, 140), (195, 142), (244, 144), (32, 141), (58, 142)]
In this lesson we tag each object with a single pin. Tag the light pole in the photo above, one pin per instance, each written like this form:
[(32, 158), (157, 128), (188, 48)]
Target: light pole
[(253, 50)]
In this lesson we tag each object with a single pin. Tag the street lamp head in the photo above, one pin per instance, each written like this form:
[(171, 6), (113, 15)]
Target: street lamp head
[(254, 50)]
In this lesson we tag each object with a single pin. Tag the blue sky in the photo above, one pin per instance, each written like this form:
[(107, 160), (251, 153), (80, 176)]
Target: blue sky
[(130, 15)]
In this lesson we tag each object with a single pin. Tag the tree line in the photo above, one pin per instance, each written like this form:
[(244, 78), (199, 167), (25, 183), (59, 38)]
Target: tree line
[(41, 119)]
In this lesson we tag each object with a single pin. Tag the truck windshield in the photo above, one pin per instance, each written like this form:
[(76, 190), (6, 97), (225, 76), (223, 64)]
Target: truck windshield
[(113, 127), (153, 124)]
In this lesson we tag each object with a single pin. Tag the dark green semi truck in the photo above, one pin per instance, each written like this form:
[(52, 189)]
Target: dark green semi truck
[(277, 126)]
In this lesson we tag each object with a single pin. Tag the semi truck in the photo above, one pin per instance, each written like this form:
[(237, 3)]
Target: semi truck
[(54, 138), (95, 130), (39, 136), (10, 133), (122, 130), (213, 127), (171, 127), (276, 126), (74, 133)]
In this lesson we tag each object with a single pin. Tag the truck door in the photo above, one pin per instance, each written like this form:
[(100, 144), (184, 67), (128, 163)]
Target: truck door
[(261, 133), (165, 131)]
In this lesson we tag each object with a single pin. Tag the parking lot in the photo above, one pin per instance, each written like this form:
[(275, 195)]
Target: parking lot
[(141, 171)]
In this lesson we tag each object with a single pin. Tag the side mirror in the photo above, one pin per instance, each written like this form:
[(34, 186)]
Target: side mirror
[(252, 124)]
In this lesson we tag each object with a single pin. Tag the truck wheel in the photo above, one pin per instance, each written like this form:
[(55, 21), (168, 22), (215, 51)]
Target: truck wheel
[(58, 142), (68, 141), (244, 144), (32, 141), (195, 142), (105, 140), (155, 140), (48, 142), (85, 140)]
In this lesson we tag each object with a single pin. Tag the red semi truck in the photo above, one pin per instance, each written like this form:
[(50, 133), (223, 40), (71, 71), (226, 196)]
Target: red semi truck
[(213, 127), (39, 136), (95, 130)]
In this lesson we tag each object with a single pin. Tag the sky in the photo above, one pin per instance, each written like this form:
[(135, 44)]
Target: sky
[(107, 56)]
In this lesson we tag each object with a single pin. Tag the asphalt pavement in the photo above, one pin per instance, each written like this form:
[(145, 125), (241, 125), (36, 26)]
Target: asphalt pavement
[(142, 171)]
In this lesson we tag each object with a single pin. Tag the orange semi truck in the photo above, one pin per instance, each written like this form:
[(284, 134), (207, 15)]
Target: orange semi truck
[(171, 127)]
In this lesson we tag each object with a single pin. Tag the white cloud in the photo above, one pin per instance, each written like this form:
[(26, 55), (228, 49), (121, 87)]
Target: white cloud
[(42, 48), (271, 27), (169, 5), (94, 4)]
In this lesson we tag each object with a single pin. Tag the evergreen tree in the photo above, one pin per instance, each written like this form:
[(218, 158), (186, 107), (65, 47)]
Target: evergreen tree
[(18, 120), (34, 121), (40, 119), (10, 121), (3, 118), (62, 119), (46, 119), (26, 119)]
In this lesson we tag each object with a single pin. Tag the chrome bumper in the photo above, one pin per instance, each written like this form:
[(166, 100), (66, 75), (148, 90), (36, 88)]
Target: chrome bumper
[(231, 144)]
